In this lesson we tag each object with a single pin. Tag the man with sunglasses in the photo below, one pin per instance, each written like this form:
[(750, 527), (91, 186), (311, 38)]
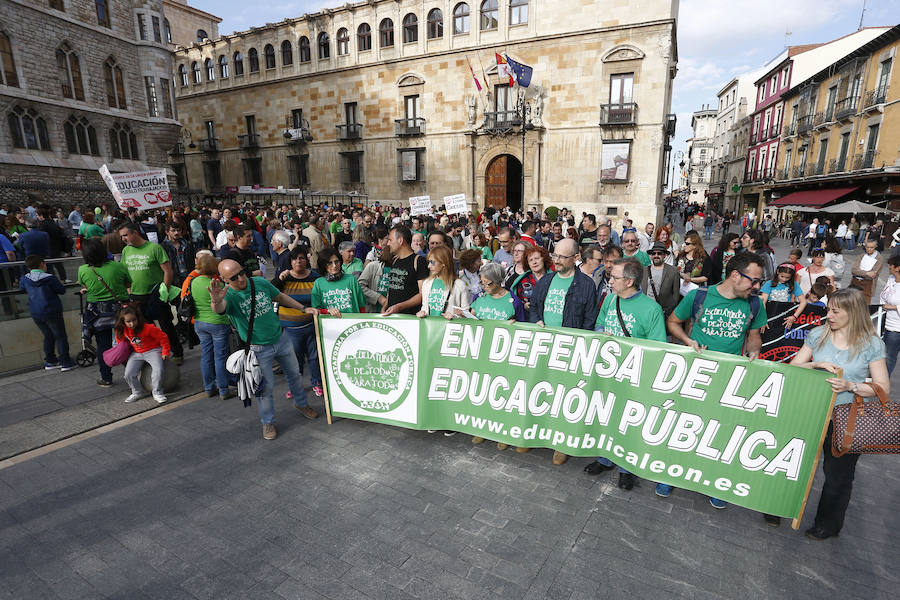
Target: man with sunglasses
[(269, 342), (661, 281), (729, 313), (631, 248)]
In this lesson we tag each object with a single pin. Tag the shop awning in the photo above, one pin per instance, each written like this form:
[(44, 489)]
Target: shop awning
[(812, 198)]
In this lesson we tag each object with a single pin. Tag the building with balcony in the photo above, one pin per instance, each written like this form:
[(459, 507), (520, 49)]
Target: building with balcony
[(700, 152), (796, 63), (846, 143), (82, 83), (377, 98), (730, 147)]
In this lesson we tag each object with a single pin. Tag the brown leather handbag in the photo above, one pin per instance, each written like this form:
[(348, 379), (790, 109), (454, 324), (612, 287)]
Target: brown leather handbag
[(866, 426)]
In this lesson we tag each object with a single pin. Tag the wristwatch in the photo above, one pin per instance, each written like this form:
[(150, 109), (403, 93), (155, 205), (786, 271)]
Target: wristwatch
[(855, 388)]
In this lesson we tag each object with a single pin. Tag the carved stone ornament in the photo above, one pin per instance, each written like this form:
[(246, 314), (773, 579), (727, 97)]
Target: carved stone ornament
[(471, 112), (623, 53)]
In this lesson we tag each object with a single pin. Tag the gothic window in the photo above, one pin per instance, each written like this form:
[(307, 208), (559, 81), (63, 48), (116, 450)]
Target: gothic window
[(304, 49), (115, 84), (489, 15), (123, 142), (324, 46), (223, 67), (27, 129), (8, 74), (386, 33), (269, 53), (253, 57), (343, 41), (364, 37), (461, 18), (238, 59), (287, 53), (80, 136), (195, 70), (182, 75), (210, 69), (435, 24), (102, 12), (410, 28), (69, 71)]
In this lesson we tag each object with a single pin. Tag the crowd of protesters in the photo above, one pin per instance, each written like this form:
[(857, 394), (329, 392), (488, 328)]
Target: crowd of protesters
[(262, 272)]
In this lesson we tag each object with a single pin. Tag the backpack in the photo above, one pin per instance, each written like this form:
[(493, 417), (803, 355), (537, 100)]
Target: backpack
[(700, 297), (188, 307)]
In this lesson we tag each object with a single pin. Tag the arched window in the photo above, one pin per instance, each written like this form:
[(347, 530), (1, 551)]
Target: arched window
[(69, 71), (269, 53), (195, 71), (115, 84), (386, 33), (410, 28), (8, 74), (489, 14), (518, 12), (80, 136), (102, 7), (57, 5), (287, 53), (210, 69), (182, 75), (223, 67), (123, 142), (253, 58), (238, 60), (168, 30), (461, 18), (304, 49), (435, 23), (364, 37), (343, 41), (201, 35), (27, 129), (324, 46)]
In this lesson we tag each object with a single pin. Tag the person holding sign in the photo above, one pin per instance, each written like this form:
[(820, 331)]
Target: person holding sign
[(564, 298), (723, 316), (847, 341), (627, 312)]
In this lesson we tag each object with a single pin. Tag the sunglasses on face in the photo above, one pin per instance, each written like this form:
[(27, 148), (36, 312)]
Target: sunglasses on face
[(334, 261), (236, 276), (753, 280), (657, 253)]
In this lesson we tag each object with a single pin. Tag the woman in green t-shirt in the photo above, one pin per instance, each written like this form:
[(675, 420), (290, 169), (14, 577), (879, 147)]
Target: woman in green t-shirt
[(336, 292), (213, 329), (106, 284), (443, 292)]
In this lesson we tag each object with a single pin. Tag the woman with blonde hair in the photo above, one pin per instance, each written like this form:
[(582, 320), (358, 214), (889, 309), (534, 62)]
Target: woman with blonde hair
[(213, 329), (693, 263), (847, 341), (443, 291)]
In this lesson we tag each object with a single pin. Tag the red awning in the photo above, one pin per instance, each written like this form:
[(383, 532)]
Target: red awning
[(813, 198)]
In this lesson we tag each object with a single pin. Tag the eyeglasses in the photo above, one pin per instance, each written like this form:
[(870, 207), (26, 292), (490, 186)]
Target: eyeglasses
[(630, 242), (555, 256), (431, 261), (753, 280), (686, 244), (236, 276), (657, 253)]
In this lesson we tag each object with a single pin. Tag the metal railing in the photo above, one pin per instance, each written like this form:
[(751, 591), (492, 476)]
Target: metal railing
[(845, 107), (349, 131), (14, 302), (804, 123), (502, 120), (866, 160), (797, 171), (790, 130), (624, 113), (409, 126), (248, 140), (874, 97), (209, 145), (819, 119)]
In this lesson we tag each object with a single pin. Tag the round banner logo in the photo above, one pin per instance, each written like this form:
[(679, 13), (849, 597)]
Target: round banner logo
[(376, 377)]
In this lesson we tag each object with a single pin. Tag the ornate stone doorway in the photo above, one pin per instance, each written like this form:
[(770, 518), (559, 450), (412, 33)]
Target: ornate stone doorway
[(503, 183)]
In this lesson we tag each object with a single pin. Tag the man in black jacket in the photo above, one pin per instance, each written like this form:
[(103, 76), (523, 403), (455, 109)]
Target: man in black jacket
[(180, 251), (564, 298)]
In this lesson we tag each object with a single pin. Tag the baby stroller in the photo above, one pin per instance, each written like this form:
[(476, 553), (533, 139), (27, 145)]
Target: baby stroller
[(88, 354)]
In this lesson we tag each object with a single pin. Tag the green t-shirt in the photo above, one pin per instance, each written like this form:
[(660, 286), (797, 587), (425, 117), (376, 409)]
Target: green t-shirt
[(643, 317), (488, 308), (486, 253), (723, 322), (335, 227), (436, 298), (113, 273), (356, 266), (345, 294), (266, 328), (642, 257), (143, 264), (205, 313), (93, 231), (556, 300)]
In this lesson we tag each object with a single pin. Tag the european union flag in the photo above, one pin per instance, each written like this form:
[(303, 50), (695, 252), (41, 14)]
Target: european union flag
[(522, 72)]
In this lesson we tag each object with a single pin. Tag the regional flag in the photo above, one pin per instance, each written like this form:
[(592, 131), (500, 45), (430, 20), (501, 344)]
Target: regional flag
[(471, 70), (521, 72), (503, 69)]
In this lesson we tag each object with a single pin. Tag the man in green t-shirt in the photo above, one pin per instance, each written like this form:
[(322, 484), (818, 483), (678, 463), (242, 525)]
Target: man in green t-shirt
[(268, 341), (631, 247), (725, 317), (627, 312), (148, 267)]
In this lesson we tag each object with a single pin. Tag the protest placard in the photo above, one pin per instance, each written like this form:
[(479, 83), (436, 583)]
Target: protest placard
[(748, 432), (419, 205), (142, 189), (455, 204)]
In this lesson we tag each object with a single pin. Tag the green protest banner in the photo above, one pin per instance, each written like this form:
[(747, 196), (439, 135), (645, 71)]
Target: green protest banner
[(746, 432)]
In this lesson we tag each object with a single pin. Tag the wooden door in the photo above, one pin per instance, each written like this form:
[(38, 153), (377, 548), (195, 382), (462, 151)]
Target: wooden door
[(495, 189)]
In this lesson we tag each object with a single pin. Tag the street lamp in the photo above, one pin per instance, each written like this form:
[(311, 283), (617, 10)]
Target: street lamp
[(677, 156), (186, 136), (524, 110)]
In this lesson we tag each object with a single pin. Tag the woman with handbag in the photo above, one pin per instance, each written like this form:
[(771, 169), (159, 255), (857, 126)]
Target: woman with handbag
[(213, 329), (105, 282), (847, 339)]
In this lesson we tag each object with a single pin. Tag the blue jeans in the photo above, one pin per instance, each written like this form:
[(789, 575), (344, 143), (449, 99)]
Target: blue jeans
[(304, 342), (707, 231), (56, 343), (214, 351), (891, 346), (608, 463), (283, 352), (850, 243), (104, 339)]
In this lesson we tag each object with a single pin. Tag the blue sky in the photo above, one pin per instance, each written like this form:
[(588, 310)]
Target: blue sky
[(717, 39)]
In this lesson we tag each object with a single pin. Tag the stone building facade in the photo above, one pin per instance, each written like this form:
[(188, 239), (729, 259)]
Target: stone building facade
[(84, 82), (700, 153), (185, 25), (378, 98)]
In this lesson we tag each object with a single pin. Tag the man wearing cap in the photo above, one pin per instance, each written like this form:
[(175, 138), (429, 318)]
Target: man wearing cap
[(661, 281)]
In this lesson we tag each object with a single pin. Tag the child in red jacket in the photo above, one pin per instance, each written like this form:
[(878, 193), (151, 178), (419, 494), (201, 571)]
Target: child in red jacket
[(150, 345)]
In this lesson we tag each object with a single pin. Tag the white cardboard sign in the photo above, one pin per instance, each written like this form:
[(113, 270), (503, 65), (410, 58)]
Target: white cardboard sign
[(419, 205), (455, 204), (143, 189)]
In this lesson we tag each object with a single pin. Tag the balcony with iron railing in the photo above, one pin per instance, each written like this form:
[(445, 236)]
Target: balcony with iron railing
[(819, 121), (804, 123), (866, 160), (349, 131), (409, 127), (248, 141), (501, 120), (818, 168), (798, 170), (836, 165), (873, 99), (209, 145), (790, 130), (829, 113), (845, 107), (784, 174), (624, 113)]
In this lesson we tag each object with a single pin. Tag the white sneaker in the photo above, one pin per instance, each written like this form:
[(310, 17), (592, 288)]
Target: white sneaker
[(160, 398), (133, 398)]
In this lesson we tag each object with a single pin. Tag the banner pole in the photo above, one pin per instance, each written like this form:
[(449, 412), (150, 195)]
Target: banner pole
[(325, 395), (795, 523)]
